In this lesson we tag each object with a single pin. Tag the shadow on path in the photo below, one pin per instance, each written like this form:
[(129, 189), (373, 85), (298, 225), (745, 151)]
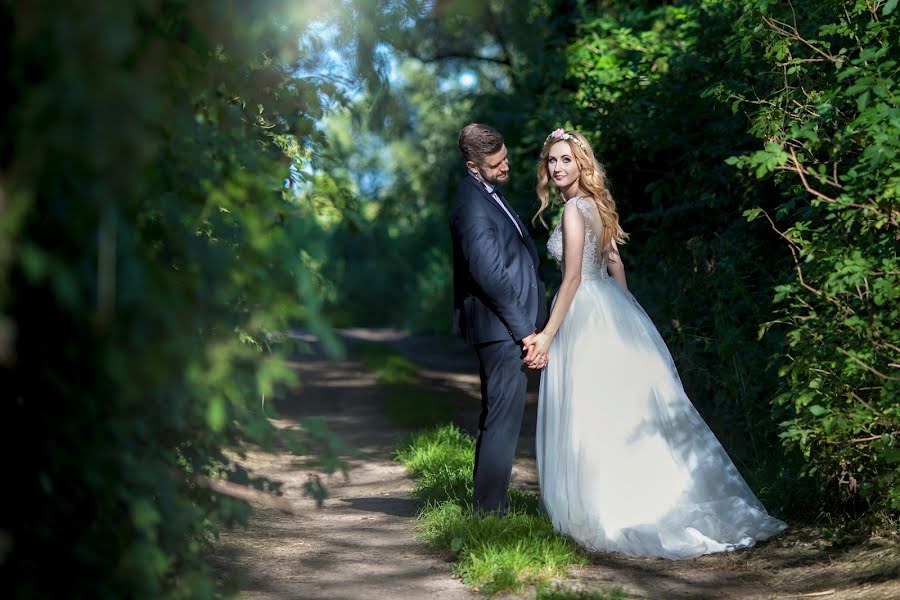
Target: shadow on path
[(361, 543)]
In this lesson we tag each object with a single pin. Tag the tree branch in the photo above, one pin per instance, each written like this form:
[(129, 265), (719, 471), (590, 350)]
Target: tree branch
[(454, 55), (792, 33), (867, 367), (794, 248), (870, 438), (799, 170)]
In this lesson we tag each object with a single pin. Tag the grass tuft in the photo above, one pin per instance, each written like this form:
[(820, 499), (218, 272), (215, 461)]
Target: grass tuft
[(493, 553), (431, 451)]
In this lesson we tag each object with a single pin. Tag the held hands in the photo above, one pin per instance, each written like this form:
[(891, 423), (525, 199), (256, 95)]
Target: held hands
[(537, 350)]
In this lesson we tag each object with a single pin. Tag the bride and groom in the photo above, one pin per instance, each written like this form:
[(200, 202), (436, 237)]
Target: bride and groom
[(625, 462)]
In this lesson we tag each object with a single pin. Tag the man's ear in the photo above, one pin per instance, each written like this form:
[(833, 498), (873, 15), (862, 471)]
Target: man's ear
[(472, 167)]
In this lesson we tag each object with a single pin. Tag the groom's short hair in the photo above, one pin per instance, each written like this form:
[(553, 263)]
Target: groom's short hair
[(477, 140)]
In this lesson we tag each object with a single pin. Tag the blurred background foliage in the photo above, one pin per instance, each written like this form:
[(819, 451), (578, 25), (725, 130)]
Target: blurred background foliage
[(182, 183)]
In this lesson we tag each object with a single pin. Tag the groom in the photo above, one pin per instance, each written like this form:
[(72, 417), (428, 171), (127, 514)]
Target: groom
[(499, 303)]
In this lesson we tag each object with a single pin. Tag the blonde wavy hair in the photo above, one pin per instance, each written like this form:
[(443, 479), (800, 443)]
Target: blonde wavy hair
[(592, 181)]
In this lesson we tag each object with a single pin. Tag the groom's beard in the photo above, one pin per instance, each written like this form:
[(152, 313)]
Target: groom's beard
[(493, 182)]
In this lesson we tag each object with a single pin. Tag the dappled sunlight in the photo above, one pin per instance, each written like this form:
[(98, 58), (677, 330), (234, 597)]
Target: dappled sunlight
[(332, 556), (360, 537)]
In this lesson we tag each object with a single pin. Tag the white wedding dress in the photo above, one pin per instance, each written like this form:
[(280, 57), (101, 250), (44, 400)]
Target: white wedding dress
[(625, 462)]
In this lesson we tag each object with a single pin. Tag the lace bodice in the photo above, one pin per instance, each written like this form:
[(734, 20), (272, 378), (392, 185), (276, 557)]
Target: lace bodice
[(593, 264)]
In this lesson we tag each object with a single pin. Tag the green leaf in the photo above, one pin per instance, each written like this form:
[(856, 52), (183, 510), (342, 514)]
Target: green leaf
[(863, 101), (752, 214)]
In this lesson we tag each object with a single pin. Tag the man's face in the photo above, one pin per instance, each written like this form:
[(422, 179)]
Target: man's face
[(495, 170)]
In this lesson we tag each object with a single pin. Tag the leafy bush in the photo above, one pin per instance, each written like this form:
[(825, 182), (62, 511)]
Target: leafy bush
[(828, 109)]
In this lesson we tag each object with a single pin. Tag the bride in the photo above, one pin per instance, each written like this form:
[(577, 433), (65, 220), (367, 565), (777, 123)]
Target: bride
[(625, 462)]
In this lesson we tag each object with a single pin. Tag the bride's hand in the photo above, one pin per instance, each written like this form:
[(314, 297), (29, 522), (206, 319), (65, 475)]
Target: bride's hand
[(537, 350), (528, 348)]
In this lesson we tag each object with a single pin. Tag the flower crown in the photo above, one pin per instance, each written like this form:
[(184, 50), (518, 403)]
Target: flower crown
[(562, 134)]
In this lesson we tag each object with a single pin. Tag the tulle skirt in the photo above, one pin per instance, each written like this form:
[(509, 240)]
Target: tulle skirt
[(625, 462)]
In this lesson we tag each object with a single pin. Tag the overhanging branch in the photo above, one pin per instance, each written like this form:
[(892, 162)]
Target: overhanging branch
[(452, 55)]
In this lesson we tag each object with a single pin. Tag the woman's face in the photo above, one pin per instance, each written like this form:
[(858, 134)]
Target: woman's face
[(561, 165)]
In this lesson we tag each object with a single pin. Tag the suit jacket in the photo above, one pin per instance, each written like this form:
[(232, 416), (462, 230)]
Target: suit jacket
[(497, 290)]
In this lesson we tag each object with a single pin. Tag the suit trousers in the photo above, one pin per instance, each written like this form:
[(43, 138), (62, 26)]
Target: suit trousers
[(503, 383)]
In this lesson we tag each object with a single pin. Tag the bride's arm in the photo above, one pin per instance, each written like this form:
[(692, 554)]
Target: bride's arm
[(615, 267), (573, 249)]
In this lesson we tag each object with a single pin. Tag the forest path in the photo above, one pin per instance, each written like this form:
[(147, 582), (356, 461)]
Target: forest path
[(360, 545), (362, 542)]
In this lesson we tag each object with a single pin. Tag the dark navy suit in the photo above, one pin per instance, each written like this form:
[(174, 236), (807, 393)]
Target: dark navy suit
[(498, 299)]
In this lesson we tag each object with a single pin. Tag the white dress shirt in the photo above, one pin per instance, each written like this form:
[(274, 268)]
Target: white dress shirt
[(490, 190)]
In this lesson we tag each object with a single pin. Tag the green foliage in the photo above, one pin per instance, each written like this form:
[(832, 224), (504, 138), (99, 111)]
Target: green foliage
[(441, 462), (831, 117), (415, 409), (397, 149), (149, 256), (496, 554)]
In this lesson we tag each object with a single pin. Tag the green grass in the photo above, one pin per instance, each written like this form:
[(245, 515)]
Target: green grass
[(495, 554), (406, 405)]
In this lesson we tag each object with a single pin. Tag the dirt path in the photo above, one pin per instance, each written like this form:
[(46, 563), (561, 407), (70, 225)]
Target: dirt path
[(362, 543)]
